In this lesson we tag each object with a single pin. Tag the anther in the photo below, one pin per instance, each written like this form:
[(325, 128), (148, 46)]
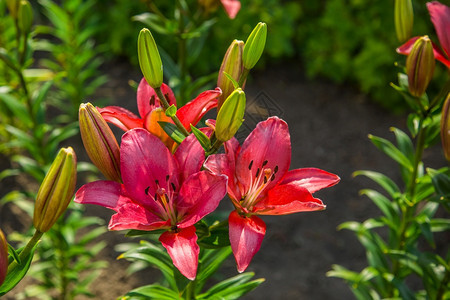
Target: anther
[(146, 190), (257, 172), (272, 177), (265, 179), (275, 170), (157, 182), (173, 186), (250, 165), (264, 163), (167, 177), (152, 100)]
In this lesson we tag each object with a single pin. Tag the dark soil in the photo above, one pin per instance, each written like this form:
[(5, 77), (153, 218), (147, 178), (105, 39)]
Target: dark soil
[(329, 125)]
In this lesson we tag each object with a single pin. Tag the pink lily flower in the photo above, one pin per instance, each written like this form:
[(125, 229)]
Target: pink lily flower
[(440, 16), (151, 112), (259, 183), (160, 191), (232, 7)]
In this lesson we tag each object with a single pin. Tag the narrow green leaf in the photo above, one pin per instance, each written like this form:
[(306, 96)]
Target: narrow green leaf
[(172, 131), (383, 203), (385, 182), (153, 291), (17, 108), (15, 275), (235, 83), (393, 152), (204, 141), (209, 262), (404, 143)]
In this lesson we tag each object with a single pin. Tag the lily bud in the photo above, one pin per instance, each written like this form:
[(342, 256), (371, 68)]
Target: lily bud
[(99, 141), (13, 7), (404, 19), (56, 190), (232, 65), (254, 45), (149, 59), (445, 127), (420, 66), (230, 116), (25, 16), (3, 257)]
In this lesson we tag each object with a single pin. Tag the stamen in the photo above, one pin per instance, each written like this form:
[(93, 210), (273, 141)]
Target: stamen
[(275, 170), (257, 172), (152, 100), (273, 177), (173, 186), (265, 179), (167, 177), (264, 163), (157, 182), (250, 165), (146, 190)]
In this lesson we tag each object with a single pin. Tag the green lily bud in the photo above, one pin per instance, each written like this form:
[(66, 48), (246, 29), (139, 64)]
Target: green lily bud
[(420, 66), (13, 7), (99, 141), (404, 19), (232, 65), (254, 45), (445, 127), (56, 190), (3, 257), (230, 116), (25, 16), (149, 59)]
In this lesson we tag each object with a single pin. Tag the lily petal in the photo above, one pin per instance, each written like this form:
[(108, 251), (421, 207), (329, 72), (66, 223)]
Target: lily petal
[(190, 156), (287, 199), (232, 7), (199, 195), (221, 164), (194, 110), (146, 165), (269, 141), (440, 16), (183, 249), (151, 124), (134, 216), (311, 178), (121, 117), (405, 49), (147, 100), (105, 193), (246, 235)]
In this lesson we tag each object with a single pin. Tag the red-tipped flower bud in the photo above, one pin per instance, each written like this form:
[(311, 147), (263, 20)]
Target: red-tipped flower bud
[(230, 116), (445, 127), (254, 46), (3, 257), (56, 190), (99, 141), (232, 65), (149, 59), (420, 66), (404, 19)]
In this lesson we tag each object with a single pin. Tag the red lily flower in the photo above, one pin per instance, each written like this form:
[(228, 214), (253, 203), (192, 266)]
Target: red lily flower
[(160, 191), (232, 7), (440, 16), (150, 111), (259, 183)]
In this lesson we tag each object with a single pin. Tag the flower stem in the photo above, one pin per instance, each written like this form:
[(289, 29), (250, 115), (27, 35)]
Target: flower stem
[(243, 77), (165, 105), (28, 248), (190, 290)]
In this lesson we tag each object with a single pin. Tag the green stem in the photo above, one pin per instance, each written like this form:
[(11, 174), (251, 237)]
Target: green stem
[(182, 52), (190, 290), (243, 77), (165, 105), (28, 248)]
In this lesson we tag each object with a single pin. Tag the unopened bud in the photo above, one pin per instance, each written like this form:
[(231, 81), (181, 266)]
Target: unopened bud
[(420, 66), (445, 128), (404, 19), (232, 65), (13, 7), (230, 116), (99, 141), (254, 46), (3, 257), (25, 16), (56, 190), (149, 59)]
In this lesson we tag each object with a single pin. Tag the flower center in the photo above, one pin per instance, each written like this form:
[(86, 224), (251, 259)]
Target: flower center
[(164, 199), (260, 181)]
